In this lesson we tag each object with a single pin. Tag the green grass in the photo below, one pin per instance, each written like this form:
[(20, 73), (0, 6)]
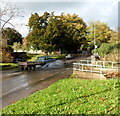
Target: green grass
[(71, 96), (62, 56), (34, 57), (7, 66)]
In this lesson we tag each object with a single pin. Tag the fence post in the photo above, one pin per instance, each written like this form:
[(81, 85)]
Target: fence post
[(82, 67), (91, 69), (112, 65)]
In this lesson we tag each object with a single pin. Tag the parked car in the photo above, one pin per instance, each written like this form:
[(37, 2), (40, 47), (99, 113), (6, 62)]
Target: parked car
[(19, 57), (69, 56), (18, 60), (45, 59)]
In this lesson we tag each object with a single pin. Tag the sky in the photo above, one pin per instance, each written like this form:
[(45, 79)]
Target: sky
[(90, 10)]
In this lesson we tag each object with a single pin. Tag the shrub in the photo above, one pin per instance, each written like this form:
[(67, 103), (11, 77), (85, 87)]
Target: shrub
[(106, 48), (5, 56), (113, 56)]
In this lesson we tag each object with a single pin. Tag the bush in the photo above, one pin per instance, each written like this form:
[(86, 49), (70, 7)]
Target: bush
[(106, 48), (113, 56), (5, 56)]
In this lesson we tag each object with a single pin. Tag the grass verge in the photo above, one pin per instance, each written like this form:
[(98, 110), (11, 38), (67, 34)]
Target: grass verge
[(71, 96), (34, 57), (7, 66)]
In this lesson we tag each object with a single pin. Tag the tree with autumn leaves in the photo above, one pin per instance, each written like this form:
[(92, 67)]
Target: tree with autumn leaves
[(53, 33), (98, 33), (8, 35), (49, 32), (66, 33)]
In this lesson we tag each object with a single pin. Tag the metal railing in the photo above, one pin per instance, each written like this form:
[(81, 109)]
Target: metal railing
[(95, 66)]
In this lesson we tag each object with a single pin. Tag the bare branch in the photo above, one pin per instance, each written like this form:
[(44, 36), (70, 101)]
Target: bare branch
[(8, 23), (7, 13)]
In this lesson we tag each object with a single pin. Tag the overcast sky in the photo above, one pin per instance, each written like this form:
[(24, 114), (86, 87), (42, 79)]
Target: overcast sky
[(90, 10)]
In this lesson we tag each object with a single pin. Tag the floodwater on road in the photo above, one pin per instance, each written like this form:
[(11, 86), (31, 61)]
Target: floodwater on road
[(28, 82)]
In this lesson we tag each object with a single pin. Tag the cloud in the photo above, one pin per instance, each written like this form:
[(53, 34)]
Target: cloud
[(113, 1), (89, 10)]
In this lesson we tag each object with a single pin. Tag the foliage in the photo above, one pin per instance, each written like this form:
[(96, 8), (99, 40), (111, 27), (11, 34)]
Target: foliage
[(7, 13), (36, 37), (3, 43), (5, 56), (114, 37), (104, 49), (53, 33), (8, 66), (113, 74), (62, 56), (90, 46), (25, 45), (11, 35), (100, 32), (74, 76), (107, 48), (71, 96), (75, 32), (17, 46), (112, 56), (34, 57)]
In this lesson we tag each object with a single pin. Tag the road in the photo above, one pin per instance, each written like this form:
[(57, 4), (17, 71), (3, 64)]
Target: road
[(28, 82)]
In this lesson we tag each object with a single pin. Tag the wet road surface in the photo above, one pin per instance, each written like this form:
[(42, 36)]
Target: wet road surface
[(23, 85)]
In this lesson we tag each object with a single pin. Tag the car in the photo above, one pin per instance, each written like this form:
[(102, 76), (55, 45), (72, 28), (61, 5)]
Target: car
[(45, 59), (69, 56), (18, 60)]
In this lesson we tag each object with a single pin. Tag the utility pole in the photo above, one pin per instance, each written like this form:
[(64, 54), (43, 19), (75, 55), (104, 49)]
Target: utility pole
[(95, 53)]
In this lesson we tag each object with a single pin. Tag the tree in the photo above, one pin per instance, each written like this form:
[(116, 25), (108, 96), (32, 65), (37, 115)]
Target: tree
[(115, 36), (100, 32), (7, 35), (7, 13), (50, 32), (25, 45), (5, 56), (38, 25), (75, 31), (11, 35), (17, 46)]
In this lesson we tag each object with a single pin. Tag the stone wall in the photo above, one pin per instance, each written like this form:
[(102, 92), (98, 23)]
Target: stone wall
[(89, 75)]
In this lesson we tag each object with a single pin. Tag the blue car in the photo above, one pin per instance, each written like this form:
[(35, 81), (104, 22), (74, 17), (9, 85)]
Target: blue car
[(45, 59)]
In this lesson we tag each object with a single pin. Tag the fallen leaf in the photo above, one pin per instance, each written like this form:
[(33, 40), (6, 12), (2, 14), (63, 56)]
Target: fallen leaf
[(102, 99), (13, 101)]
